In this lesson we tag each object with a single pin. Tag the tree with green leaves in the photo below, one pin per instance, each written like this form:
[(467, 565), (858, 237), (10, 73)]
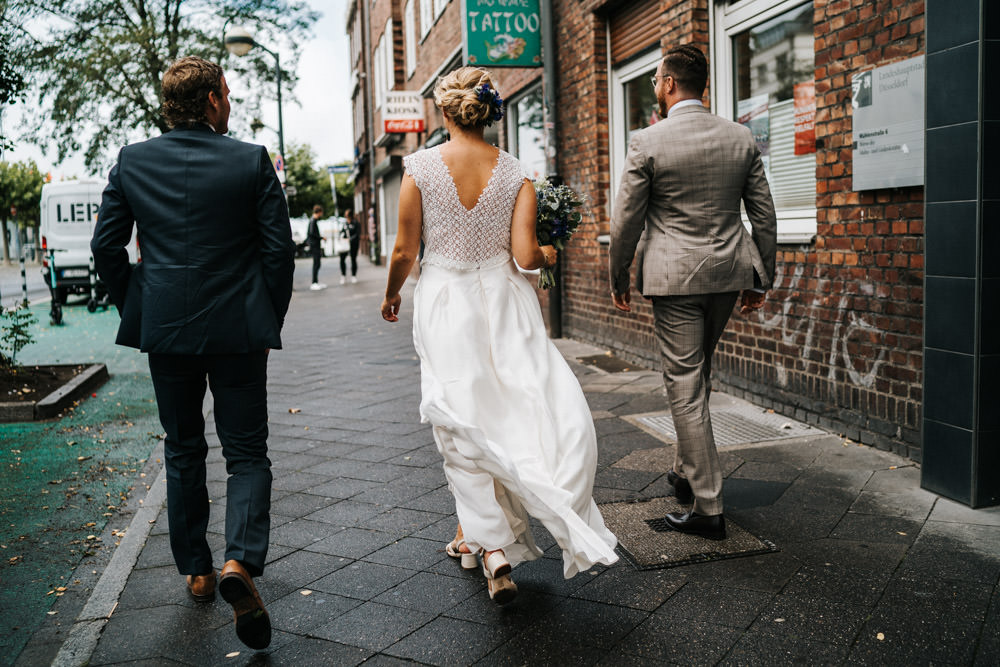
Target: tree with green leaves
[(345, 190), (20, 189), (15, 46), (311, 184), (99, 63)]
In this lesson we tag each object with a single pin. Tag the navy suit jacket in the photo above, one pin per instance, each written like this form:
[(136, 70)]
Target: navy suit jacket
[(217, 256)]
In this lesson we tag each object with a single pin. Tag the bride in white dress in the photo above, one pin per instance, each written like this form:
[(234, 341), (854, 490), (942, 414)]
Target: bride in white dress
[(509, 416)]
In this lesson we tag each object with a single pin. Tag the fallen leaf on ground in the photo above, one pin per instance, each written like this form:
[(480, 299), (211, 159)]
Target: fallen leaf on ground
[(880, 637), (233, 654), (306, 592), (294, 411)]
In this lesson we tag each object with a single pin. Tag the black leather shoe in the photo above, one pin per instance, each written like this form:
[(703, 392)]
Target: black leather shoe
[(710, 527), (682, 488)]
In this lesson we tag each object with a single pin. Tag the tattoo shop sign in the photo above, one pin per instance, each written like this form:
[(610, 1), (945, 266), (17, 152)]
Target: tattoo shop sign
[(501, 33), (888, 109), (403, 111)]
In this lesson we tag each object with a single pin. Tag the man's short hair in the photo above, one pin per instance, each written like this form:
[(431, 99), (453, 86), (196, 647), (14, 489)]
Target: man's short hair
[(186, 85), (688, 67), (317, 209)]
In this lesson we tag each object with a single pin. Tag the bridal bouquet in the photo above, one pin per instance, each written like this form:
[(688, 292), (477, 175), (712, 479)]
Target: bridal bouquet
[(558, 217)]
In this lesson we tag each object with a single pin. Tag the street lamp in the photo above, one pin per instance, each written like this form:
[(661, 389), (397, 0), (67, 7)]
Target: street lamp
[(239, 42)]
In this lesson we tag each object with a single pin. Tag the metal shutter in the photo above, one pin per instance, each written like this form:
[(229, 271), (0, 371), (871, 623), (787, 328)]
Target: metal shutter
[(634, 28)]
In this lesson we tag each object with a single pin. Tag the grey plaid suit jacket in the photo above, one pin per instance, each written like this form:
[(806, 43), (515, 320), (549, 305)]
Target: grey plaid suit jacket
[(679, 205)]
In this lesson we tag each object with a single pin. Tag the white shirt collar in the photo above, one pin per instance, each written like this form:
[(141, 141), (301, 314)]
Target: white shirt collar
[(684, 103)]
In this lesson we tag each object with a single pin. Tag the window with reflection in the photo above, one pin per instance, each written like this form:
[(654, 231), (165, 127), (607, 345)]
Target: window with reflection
[(527, 132), (641, 108), (773, 77)]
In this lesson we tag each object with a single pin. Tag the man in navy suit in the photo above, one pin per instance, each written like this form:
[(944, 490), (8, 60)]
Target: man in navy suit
[(207, 302)]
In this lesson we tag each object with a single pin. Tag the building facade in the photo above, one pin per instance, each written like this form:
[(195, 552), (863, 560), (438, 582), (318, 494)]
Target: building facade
[(840, 342)]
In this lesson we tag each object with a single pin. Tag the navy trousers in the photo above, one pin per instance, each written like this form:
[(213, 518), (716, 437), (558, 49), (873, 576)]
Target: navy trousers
[(239, 389)]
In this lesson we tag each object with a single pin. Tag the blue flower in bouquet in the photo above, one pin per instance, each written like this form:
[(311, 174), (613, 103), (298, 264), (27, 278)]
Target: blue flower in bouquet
[(558, 217)]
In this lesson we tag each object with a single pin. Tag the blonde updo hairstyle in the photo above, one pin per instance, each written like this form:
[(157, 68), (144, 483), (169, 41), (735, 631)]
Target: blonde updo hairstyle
[(457, 98)]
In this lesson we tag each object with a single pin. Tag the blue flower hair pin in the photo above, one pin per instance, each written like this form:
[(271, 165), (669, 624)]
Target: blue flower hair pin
[(487, 93)]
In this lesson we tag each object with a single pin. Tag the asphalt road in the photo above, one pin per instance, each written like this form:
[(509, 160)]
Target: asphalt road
[(11, 287)]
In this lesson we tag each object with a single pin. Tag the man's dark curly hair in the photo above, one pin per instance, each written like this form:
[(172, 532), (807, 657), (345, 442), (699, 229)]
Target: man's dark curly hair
[(688, 67), (186, 85)]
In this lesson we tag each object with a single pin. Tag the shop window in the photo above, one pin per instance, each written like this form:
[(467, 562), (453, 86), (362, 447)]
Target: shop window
[(526, 133), (633, 107), (763, 74)]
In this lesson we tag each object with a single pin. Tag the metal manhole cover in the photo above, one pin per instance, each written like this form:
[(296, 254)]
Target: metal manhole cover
[(640, 540), (735, 427)]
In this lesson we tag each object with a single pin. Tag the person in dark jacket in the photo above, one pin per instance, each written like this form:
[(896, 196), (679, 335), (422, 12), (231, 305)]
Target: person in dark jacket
[(352, 230), (207, 302), (315, 241)]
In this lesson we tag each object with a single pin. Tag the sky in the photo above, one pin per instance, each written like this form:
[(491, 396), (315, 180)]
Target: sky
[(321, 117)]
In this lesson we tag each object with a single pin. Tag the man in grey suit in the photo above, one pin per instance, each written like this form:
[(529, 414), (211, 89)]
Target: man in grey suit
[(678, 213)]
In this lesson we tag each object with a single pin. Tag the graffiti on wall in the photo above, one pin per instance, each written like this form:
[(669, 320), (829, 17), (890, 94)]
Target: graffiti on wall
[(848, 326)]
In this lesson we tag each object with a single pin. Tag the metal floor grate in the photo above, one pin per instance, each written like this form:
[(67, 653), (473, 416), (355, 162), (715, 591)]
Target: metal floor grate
[(738, 426), (638, 526)]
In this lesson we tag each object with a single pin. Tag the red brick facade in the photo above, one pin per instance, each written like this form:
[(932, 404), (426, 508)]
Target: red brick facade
[(838, 343), (840, 340)]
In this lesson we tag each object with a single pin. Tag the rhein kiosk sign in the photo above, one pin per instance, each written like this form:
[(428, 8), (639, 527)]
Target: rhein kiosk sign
[(501, 33), (403, 112), (888, 108)]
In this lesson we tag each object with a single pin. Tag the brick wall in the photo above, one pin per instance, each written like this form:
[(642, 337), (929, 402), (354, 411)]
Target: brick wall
[(584, 163), (839, 341)]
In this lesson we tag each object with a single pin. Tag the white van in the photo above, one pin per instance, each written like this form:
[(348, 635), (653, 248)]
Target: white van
[(68, 217)]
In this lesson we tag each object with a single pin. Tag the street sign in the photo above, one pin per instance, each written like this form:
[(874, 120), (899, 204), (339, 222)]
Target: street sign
[(506, 34), (339, 169)]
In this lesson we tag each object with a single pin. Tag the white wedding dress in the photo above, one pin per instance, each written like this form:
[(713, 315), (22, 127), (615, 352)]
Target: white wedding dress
[(509, 416)]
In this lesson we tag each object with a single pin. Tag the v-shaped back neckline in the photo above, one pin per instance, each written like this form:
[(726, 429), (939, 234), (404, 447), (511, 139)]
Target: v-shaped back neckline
[(454, 186)]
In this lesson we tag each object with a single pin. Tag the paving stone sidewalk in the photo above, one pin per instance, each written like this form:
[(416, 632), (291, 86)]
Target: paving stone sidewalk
[(871, 569)]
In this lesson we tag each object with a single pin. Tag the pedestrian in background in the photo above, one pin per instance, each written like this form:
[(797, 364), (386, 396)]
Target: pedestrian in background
[(352, 231), (315, 240), (207, 302), (679, 204)]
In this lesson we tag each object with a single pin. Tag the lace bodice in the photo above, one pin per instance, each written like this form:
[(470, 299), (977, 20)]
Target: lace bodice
[(456, 237)]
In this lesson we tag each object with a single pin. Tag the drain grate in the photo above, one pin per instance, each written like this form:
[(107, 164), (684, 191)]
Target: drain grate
[(736, 427)]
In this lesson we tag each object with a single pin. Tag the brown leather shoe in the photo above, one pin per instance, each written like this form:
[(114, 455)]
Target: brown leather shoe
[(202, 586), (253, 626)]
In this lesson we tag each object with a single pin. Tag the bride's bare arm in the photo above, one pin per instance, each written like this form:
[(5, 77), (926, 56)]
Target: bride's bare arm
[(407, 246), (523, 242)]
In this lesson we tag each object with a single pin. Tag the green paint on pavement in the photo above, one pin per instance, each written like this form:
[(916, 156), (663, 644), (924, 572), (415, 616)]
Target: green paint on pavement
[(63, 478)]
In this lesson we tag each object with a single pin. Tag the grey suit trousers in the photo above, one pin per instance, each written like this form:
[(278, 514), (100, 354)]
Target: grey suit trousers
[(688, 327)]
